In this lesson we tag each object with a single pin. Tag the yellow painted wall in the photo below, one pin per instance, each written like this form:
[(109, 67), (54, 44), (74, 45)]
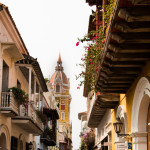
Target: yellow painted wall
[(127, 100)]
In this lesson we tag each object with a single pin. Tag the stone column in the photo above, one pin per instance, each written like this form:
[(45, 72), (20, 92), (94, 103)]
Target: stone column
[(139, 140), (1, 73), (29, 89), (39, 97), (34, 89)]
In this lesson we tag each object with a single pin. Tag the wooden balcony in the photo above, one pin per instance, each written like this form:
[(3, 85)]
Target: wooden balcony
[(8, 105), (101, 104), (28, 119), (48, 139)]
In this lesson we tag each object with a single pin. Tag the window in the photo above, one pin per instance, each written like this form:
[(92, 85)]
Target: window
[(57, 88), (62, 115), (18, 84), (62, 105)]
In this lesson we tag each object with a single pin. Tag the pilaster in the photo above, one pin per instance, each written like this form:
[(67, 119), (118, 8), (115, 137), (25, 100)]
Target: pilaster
[(139, 140)]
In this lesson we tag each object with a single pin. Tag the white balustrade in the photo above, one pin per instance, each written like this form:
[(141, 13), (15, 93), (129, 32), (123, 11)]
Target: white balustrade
[(8, 102), (34, 116)]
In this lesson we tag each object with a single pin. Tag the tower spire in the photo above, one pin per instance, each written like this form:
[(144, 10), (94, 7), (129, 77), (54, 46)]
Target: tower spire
[(59, 58), (59, 64)]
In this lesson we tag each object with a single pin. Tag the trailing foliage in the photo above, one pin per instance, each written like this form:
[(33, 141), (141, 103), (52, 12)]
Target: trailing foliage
[(48, 131), (94, 41), (42, 116), (20, 96), (88, 140)]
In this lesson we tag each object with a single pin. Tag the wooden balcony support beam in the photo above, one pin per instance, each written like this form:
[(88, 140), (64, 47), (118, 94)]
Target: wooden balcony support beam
[(121, 70), (129, 48), (112, 81), (135, 37), (140, 2), (128, 56), (126, 27), (135, 14), (126, 64)]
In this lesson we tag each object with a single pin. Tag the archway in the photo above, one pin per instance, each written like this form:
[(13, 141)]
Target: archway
[(139, 116), (21, 145), (4, 137), (3, 141), (21, 142)]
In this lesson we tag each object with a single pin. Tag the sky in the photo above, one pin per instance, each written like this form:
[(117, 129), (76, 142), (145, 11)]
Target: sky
[(50, 27)]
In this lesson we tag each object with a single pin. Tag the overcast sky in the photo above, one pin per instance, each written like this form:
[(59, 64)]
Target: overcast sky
[(48, 27)]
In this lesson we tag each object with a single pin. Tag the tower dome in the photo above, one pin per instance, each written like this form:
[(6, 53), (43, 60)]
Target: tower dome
[(59, 77)]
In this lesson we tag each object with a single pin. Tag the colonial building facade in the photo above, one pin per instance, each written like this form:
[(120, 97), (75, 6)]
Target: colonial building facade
[(122, 81), (25, 113)]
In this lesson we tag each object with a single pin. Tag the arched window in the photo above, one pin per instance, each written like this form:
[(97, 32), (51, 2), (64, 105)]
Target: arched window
[(57, 88)]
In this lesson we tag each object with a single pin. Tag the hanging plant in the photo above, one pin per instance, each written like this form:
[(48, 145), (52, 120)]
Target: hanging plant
[(48, 131), (89, 139), (94, 41), (42, 117)]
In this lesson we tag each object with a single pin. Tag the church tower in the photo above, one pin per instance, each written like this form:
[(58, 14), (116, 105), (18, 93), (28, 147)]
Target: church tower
[(61, 86)]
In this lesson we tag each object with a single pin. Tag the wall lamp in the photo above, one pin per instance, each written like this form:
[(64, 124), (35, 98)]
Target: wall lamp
[(118, 127)]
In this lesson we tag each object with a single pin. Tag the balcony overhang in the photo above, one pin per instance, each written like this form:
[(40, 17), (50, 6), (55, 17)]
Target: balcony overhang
[(82, 116), (29, 61), (48, 141), (94, 2), (127, 46), (101, 104), (53, 113), (12, 49), (28, 125)]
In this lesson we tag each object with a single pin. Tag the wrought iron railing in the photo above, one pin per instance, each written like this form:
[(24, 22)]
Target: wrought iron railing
[(49, 137)]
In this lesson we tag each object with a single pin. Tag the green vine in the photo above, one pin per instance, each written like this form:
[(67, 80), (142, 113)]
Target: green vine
[(42, 116), (95, 41)]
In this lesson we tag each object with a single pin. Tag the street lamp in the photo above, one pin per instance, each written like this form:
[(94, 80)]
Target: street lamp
[(118, 127), (30, 146)]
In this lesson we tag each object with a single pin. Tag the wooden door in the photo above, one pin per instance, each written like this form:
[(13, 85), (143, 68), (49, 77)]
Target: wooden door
[(5, 77), (148, 127)]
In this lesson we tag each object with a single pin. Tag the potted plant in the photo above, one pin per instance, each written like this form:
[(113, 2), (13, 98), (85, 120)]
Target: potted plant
[(20, 96)]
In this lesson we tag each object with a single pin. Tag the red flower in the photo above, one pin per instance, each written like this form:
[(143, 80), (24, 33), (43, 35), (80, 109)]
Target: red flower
[(78, 87), (90, 59), (94, 37), (88, 48), (77, 43), (103, 41), (83, 73), (81, 58), (91, 63)]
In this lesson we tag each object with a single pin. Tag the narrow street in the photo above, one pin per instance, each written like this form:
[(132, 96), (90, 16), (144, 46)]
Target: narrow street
[(74, 75)]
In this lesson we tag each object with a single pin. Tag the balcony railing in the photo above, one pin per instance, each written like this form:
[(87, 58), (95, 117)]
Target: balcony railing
[(23, 111), (8, 102), (10, 106), (49, 138)]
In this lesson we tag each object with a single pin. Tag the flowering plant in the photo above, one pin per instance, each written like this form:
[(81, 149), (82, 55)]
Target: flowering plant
[(95, 41), (88, 139)]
